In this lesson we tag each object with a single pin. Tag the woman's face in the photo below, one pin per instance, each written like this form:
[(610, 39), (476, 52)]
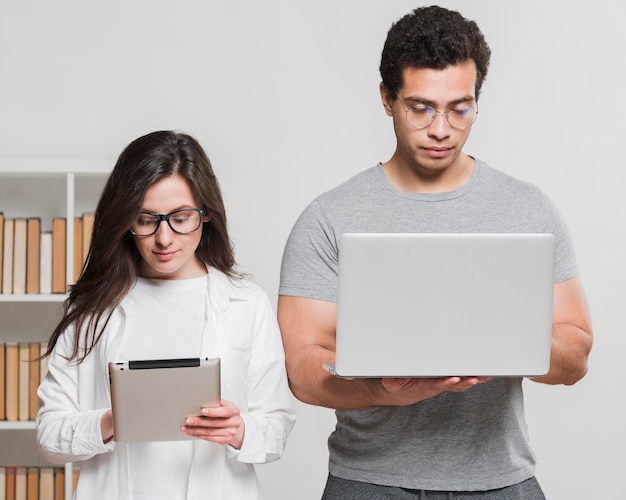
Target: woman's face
[(167, 254)]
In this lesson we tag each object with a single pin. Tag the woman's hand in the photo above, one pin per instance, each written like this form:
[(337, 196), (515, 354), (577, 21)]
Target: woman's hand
[(221, 424)]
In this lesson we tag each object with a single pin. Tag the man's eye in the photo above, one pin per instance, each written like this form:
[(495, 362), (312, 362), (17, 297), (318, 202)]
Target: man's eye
[(464, 111), (420, 110)]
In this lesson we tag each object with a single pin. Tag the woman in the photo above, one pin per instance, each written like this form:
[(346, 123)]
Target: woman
[(160, 282)]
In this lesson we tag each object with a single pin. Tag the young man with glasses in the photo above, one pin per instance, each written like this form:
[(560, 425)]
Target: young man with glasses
[(454, 437)]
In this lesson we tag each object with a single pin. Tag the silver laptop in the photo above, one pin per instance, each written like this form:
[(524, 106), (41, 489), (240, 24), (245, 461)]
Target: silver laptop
[(434, 305), (151, 398)]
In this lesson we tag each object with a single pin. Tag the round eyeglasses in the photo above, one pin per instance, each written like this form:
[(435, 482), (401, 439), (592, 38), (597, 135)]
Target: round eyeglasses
[(422, 115), (183, 221)]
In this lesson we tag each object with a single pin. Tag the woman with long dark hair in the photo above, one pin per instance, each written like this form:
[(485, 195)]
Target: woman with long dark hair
[(160, 282)]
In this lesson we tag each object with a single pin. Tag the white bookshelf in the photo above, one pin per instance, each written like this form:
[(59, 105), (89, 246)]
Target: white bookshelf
[(44, 188)]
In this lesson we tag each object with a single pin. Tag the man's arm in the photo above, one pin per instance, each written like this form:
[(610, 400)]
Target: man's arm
[(571, 335), (308, 330)]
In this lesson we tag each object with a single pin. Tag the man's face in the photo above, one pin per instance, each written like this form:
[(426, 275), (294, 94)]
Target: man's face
[(437, 147)]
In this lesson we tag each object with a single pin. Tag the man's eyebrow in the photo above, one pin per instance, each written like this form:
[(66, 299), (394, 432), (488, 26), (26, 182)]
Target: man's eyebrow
[(421, 100)]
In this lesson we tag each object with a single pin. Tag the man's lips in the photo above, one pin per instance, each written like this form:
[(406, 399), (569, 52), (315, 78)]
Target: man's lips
[(437, 151)]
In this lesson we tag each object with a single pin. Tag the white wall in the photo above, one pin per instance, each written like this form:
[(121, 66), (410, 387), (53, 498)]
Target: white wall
[(284, 97)]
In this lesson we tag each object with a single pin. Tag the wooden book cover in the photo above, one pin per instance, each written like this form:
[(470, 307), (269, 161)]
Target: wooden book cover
[(59, 247), (10, 483), (88, 220), (2, 386), (20, 236), (59, 482), (78, 247), (45, 262), (32, 254), (11, 379), (24, 381), (7, 257), (34, 378), (21, 483), (1, 247), (32, 483), (46, 483)]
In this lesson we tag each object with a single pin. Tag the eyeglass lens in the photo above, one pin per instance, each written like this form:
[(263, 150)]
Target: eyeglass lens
[(180, 221), (422, 116)]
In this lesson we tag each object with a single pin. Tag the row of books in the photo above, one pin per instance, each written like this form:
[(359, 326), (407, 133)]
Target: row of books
[(34, 483), (21, 372), (33, 260)]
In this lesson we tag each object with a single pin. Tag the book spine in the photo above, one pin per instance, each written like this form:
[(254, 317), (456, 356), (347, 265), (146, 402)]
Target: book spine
[(11, 381), (59, 248), (33, 254), (2, 384), (78, 247), (34, 377), (23, 382), (32, 483), (45, 262), (20, 237), (7, 256), (1, 248)]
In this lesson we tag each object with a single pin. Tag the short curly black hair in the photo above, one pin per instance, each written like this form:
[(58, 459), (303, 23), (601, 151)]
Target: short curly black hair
[(432, 37)]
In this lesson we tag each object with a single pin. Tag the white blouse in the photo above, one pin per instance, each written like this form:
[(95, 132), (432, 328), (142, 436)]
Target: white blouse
[(234, 321)]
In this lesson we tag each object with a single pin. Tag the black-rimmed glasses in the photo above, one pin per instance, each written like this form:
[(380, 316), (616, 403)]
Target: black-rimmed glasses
[(184, 221)]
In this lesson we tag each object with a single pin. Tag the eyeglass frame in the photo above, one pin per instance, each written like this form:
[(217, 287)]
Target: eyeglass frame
[(437, 112), (166, 218)]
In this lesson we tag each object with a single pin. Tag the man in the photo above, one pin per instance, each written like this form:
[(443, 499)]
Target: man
[(454, 437)]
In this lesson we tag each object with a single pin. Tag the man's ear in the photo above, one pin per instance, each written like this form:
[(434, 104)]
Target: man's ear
[(386, 98)]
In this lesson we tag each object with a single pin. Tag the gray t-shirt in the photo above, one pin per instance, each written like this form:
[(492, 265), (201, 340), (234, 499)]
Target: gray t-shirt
[(474, 440)]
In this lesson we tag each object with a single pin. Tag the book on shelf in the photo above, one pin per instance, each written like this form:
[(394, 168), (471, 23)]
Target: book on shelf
[(88, 220), (23, 381), (45, 262), (59, 248), (10, 481), (2, 385), (1, 247), (3, 482), (46, 483), (11, 381), (20, 236), (78, 247), (33, 243), (32, 483), (59, 483), (34, 377), (21, 483), (7, 256)]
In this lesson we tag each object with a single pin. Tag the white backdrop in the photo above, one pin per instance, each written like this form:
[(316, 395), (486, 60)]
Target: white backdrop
[(284, 97)]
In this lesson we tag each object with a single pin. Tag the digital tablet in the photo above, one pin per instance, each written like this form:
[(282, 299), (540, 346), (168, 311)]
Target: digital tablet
[(152, 398)]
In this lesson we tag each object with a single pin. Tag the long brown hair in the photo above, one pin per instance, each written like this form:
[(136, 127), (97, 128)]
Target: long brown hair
[(112, 263)]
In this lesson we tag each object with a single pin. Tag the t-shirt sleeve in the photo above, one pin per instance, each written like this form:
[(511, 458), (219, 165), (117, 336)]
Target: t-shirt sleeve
[(565, 259), (310, 259)]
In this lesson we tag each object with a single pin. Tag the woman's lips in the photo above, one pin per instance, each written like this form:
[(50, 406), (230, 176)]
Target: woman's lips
[(164, 256)]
